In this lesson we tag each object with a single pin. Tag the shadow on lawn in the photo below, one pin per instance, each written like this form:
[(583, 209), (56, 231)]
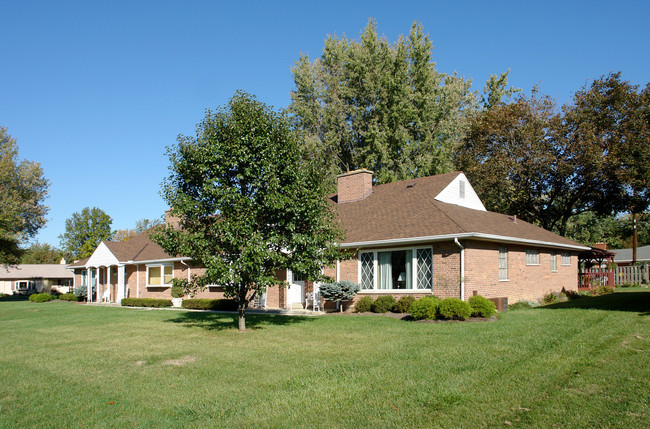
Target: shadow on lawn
[(638, 302), (226, 321)]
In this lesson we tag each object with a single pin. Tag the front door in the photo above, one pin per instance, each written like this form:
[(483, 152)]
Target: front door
[(295, 292)]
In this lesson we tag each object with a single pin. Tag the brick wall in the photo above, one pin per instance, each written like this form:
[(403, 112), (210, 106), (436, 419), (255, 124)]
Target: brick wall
[(525, 282)]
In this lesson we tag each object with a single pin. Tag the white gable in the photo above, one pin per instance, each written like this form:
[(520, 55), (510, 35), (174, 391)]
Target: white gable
[(102, 257), (461, 193)]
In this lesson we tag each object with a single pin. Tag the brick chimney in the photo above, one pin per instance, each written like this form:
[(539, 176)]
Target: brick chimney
[(601, 246), (172, 220), (354, 186)]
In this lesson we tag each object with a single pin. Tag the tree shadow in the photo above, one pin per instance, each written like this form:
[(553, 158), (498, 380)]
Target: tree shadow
[(212, 321), (638, 302)]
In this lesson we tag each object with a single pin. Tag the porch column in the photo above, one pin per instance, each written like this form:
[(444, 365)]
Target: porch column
[(98, 297), (121, 287)]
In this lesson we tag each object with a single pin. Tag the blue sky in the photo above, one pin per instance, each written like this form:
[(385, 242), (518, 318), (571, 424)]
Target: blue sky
[(96, 90)]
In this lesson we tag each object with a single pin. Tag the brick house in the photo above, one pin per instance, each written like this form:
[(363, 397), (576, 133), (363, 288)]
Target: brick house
[(417, 237)]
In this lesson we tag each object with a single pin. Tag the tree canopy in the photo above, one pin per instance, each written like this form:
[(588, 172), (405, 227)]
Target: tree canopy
[(246, 204), (371, 104), (42, 253), (23, 190), (546, 165), (84, 231)]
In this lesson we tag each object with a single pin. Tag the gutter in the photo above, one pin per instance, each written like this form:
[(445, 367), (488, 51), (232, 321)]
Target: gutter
[(468, 235), (462, 268)]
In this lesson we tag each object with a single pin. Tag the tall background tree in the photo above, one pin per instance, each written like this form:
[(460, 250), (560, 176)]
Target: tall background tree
[(141, 225), (547, 164), (42, 253), (23, 190), (247, 205), (84, 231), (371, 104)]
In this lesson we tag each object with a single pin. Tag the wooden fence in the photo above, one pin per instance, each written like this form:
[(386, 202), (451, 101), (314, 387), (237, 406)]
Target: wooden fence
[(638, 274), (620, 276)]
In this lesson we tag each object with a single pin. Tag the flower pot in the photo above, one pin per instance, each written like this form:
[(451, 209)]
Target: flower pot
[(177, 302)]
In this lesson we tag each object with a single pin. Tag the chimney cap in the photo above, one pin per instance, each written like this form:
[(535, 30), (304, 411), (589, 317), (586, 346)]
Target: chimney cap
[(350, 173)]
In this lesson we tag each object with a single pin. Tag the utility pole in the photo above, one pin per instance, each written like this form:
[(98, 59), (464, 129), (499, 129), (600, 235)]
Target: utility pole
[(634, 243)]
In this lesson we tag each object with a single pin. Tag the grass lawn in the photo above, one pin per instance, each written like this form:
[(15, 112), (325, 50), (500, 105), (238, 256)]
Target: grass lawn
[(584, 363)]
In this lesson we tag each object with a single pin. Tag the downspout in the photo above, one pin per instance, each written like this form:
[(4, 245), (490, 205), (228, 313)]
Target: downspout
[(462, 268)]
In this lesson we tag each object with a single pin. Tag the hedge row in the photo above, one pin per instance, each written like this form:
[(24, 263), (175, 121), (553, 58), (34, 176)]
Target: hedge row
[(146, 302), (41, 297), (432, 307), (68, 297), (210, 304), (384, 304)]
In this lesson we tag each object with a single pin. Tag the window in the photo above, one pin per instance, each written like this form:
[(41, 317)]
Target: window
[(532, 257), (503, 263), (566, 259), (84, 278), (406, 269), (553, 262), (160, 275)]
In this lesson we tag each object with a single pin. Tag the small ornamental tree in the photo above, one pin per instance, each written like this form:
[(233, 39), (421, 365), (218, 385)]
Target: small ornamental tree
[(339, 292), (247, 206)]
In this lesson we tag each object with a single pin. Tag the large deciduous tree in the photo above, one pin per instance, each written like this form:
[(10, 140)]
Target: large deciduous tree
[(371, 104), (247, 206), (547, 165), (84, 231), (23, 190), (42, 253)]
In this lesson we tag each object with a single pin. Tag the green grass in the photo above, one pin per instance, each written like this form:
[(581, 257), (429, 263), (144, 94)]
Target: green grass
[(583, 363)]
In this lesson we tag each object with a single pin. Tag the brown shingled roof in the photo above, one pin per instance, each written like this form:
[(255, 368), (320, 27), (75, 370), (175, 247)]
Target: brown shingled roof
[(407, 209)]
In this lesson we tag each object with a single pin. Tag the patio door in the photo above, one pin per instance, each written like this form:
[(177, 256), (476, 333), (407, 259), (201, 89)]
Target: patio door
[(296, 291)]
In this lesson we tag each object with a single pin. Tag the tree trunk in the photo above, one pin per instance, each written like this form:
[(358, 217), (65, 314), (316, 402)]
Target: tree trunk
[(242, 318)]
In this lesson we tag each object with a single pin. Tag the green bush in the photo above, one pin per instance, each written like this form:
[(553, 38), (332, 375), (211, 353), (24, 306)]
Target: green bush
[(383, 304), (210, 304), (602, 290), (482, 307), (68, 297), (41, 297), (364, 305), (521, 305), (339, 292), (550, 298), (425, 308), (177, 291), (146, 302), (454, 308), (403, 305)]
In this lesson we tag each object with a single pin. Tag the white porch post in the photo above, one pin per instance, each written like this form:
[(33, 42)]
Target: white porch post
[(121, 287), (97, 283)]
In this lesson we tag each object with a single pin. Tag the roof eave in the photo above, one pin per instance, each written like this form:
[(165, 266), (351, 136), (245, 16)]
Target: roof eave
[(472, 235)]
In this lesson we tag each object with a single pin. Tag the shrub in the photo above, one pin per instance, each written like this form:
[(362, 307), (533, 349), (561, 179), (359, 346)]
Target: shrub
[(482, 307), (364, 304), (41, 297), (454, 308), (82, 291), (146, 302), (425, 308), (210, 304), (550, 298), (521, 305), (383, 304), (68, 297), (403, 305), (177, 291), (602, 290), (339, 291), (573, 294)]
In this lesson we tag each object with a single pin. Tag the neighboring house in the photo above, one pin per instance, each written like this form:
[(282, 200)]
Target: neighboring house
[(623, 257), (415, 237), (30, 278)]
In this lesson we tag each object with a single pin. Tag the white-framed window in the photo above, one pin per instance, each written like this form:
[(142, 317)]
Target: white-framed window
[(396, 269), (84, 278), (160, 274), (532, 257), (553, 262), (503, 263), (566, 259)]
